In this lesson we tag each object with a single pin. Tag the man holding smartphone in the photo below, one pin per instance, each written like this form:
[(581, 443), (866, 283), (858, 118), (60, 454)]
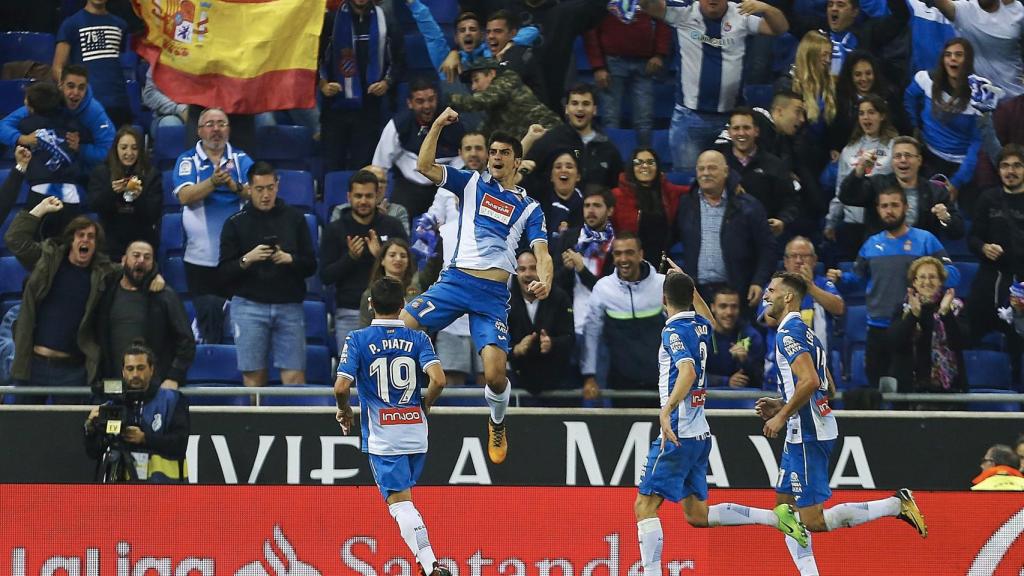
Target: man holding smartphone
[(266, 254)]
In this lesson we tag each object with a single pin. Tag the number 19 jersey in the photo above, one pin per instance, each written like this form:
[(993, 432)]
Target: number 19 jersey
[(387, 361), (685, 339)]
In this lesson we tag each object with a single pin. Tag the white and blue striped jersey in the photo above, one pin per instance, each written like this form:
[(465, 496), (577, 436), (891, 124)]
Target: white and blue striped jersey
[(685, 339), (491, 221), (387, 362), (814, 421), (711, 54)]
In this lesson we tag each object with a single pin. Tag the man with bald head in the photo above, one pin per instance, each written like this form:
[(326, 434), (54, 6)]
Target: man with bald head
[(725, 234)]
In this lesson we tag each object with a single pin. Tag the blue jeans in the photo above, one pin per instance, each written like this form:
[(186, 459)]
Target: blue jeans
[(51, 372), (260, 327), (690, 134), (632, 71)]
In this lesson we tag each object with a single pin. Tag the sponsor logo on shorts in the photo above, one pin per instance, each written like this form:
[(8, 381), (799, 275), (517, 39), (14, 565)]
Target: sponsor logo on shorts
[(501, 327), (396, 416), (496, 209), (794, 483)]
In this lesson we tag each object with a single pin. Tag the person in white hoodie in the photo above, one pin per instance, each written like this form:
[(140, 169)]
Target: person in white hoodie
[(872, 138)]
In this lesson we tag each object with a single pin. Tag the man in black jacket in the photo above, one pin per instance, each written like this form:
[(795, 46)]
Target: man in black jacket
[(129, 312), (348, 249), (599, 159), (266, 254), (540, 331), (935, 212), (762, 174), (725, 235)]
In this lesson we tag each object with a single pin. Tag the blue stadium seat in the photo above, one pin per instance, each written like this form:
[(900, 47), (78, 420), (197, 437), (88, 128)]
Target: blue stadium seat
[(624, 140), (314, 233), (727, 402), (992, 406), (314, 288), (318, 367), (968, 270), (297, 189), (580, 53), (988, 369), (856, 325), (12, 275), (665, 99), (993, 341), (323, 400), (286, 147), (172, 236), (416, 56), (168, 144), (858, 375), (171, 203), (958, 250), (36, 46), (444, 11), (173, 270), (12, 95), (3, 230), (659, 141), (335, 192), (215, 364), (681, 178), (316, 322)]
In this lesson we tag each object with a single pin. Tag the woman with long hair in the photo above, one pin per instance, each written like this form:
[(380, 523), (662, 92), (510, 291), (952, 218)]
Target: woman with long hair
[(861, 75), (127, 193), (646, 203), (873, 136), (394, 261), (812, 77), (938, 106)]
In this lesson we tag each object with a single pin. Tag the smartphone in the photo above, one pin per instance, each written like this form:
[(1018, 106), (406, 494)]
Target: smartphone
[(270, 241), (663, 268)]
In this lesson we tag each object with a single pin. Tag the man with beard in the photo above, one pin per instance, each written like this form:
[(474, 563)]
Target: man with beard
[(737, 360), (400, 142), (54, 337), (349, 246), (158, 439), (997, 239), (129, 312), (882, 263)]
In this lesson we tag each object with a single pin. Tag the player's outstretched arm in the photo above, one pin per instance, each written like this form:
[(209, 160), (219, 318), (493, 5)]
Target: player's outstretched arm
[(425, 163), (342, 390), (437, 381), (806, 382)]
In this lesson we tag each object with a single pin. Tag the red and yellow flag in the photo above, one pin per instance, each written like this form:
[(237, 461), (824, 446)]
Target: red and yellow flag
[(245, 56)]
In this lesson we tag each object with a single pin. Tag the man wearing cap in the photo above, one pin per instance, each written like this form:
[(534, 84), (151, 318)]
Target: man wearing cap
[(507, 103)]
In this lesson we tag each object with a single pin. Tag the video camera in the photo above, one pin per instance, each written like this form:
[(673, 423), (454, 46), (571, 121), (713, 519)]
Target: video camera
[(123, 409)]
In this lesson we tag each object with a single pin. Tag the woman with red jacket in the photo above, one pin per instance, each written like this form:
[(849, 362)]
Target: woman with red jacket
[(646, 204)]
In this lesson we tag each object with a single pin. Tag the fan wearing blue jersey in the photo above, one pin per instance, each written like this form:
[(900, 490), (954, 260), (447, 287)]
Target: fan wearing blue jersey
[(806, 383), (494, 214), (386, 361), (677, 465)]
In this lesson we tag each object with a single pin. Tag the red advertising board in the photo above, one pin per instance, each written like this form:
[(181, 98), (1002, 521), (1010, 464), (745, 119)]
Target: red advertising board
[(91, 530)]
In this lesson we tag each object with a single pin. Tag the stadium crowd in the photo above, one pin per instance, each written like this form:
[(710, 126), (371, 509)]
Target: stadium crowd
[(872, 147)]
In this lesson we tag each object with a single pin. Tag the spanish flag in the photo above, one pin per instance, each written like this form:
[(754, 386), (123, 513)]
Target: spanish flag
[(245, 56)]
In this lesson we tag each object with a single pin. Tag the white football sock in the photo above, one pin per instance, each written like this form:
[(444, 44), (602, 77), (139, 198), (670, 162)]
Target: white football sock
[(410, 524), (498, 403), (651, 539), (803, 557), (729, 514), (855, 513)]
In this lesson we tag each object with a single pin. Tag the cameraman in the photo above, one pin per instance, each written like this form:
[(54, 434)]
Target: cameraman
[(155, 426)]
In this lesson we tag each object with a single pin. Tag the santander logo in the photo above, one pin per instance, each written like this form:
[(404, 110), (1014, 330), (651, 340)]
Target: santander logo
[(992, 553), (393, 416)]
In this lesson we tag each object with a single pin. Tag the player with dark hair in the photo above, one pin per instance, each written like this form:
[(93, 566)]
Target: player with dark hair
[(677, 465), (385, 361), (494, 214), (805, 384)]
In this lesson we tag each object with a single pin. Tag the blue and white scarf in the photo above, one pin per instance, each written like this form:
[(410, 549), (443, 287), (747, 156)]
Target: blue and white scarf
[(346, 67), (594, 243)]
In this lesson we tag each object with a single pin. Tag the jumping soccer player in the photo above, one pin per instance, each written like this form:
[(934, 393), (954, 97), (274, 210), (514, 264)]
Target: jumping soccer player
[(493, 214), (677, 466), (385, 361), (811, 429)]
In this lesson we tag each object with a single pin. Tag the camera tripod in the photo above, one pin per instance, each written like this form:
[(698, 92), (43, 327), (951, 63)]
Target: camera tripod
[(117, 464)]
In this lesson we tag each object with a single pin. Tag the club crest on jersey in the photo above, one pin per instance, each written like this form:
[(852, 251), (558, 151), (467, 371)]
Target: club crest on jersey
[(496, 209), (789, 345), (399, 416)]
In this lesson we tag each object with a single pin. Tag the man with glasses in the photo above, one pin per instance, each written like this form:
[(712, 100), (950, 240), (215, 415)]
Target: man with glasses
[(266, 254), (929, 206), (999, 471), (818, 309), (210, 181)]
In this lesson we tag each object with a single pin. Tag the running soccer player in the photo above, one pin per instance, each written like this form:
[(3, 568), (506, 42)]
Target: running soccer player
[(677, 465), (493, 214), (385, 361), (805, 382)]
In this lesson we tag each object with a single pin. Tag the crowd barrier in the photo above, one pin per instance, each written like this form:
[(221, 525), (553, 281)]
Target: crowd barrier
[(93, 530)]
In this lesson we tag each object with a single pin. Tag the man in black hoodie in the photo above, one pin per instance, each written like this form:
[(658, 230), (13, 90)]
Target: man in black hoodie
[(349, 247), (266, 254)]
